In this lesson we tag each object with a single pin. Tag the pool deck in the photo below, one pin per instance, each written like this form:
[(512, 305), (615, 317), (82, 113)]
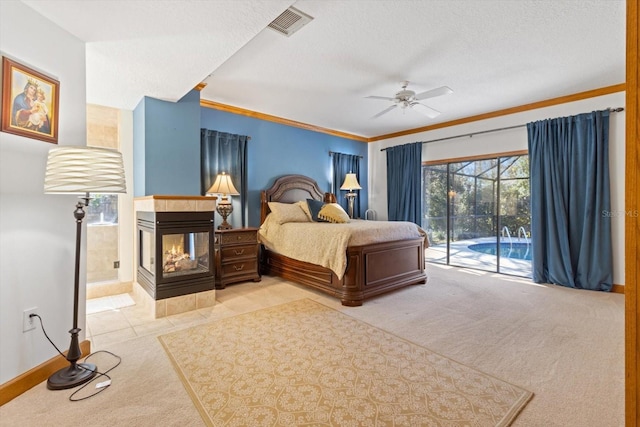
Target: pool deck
[(462, 256)]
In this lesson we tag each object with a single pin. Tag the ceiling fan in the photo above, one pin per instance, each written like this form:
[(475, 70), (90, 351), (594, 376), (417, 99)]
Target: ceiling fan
[(409, 99)]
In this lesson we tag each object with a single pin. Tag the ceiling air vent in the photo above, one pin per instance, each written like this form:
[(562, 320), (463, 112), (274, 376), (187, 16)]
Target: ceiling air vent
[(290, 21)]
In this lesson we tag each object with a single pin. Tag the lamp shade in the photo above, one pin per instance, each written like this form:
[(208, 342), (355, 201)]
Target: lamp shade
[(223, 185), (80, 170), (350, 182)]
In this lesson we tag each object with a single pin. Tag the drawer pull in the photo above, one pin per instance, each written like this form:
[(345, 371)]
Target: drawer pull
[(238, 252), (238, 268)]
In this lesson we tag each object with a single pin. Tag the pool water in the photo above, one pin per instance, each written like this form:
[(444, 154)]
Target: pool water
[(507, 250)]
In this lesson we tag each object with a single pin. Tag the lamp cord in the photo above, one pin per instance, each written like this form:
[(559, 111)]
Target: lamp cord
[(100, 374), (45, 333)]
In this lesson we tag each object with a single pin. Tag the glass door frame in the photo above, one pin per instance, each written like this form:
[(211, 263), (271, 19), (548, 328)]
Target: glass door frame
[(503, 162)]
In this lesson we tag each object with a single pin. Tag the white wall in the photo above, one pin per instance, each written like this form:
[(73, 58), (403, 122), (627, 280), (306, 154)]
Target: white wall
[(126, 216), (512, 140), (37, 231)]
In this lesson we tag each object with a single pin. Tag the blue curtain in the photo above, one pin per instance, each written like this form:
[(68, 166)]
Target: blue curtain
[(225, 152), (404, 171), (570, 201), (342, 165)]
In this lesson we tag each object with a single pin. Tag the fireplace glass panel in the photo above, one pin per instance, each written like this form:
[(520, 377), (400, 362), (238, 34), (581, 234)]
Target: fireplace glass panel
[(185, 253), (147, 245)]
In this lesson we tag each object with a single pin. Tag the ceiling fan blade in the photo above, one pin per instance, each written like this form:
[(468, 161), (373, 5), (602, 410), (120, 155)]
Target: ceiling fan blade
[(385, 111), (384, 98), (444, 90), (427, 111)]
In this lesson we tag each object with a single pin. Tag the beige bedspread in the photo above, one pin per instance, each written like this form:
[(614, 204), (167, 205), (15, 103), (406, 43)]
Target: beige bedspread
[(326, 244)]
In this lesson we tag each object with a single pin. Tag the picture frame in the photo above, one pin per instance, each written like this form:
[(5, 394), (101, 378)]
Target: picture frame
[(29, 102)]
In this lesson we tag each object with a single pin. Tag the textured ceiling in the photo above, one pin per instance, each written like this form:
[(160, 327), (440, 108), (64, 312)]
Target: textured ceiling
[(493, 54), (158, 48)]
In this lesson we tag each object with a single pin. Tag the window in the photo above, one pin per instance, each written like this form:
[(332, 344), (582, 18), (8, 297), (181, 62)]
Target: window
[(103, 210)]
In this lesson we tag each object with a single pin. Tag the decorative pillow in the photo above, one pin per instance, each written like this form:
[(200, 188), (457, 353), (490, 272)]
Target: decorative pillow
[(314, 209), (327, 212), (333, 212), (287, 212)]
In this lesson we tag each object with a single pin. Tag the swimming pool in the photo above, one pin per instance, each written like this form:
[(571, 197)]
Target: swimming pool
[(508, 250)]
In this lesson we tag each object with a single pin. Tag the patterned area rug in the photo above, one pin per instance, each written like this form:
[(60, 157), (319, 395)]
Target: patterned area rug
[(302, 363)]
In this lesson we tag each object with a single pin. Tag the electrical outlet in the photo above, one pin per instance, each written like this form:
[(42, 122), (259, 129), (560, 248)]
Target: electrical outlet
[(29, 323), (116, 264)]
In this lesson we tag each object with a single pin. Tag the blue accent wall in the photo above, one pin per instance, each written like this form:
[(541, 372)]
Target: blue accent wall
[(166, 150), (169, 143), (139, 170), (276, 149)]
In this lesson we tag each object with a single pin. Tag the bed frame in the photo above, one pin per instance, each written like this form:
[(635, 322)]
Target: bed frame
[(371, 269)]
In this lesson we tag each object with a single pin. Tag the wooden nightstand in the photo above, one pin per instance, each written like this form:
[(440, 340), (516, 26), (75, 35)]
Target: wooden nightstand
[(236, 256)]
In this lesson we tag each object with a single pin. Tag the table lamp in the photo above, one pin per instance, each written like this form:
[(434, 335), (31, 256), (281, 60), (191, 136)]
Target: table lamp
[(225, 188), (350, 184)]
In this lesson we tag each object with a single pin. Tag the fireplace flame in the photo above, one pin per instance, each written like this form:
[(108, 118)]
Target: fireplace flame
[(177, 260)]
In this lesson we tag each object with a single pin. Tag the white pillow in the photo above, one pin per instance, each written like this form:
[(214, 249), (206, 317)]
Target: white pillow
[(305, 208), (287, 212)]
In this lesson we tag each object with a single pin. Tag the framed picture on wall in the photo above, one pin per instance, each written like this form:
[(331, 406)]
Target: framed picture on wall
[(29, 102)]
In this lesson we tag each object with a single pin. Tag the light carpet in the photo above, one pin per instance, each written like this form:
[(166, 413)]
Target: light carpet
[(303, 363)]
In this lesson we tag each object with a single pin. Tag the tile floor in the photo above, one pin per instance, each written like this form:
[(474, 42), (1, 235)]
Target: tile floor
[(120, 323), (109, 321)]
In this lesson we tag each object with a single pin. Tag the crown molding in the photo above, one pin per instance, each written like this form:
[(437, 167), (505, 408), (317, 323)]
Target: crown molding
[(513, 110), (256, 115)]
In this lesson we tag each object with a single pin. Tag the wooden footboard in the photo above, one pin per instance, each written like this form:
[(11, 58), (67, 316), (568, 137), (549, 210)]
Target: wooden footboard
[(371, 270)]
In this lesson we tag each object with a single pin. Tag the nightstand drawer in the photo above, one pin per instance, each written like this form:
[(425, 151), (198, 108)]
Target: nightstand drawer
[(230, 238), (240, 251), (240, 268)]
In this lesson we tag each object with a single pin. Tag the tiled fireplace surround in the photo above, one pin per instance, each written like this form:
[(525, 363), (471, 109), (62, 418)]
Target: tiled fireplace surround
[(184, 303)]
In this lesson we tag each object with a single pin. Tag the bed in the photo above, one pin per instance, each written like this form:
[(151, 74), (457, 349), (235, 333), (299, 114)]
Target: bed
[(371, 269)]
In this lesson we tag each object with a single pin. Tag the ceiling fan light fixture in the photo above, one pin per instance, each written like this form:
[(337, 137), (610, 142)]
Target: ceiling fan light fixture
[(408, 98)]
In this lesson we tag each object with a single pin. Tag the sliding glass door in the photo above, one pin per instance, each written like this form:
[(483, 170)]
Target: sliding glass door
[(477, 214), (515, 216), (472, 199)]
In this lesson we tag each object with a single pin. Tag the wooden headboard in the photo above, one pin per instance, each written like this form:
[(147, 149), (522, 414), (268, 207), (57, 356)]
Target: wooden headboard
[(291, 189)]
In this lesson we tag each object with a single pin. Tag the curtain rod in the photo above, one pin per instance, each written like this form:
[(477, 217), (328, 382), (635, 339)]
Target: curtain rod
[(331, 153), (612, 110)]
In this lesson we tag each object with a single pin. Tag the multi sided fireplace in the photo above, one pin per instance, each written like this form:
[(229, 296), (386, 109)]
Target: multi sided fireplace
[(175, 255)]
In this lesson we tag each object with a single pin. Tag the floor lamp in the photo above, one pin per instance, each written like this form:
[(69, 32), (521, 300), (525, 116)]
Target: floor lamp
[(80, 170)]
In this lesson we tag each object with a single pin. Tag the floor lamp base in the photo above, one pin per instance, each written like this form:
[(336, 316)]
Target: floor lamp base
[(72, 376)]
